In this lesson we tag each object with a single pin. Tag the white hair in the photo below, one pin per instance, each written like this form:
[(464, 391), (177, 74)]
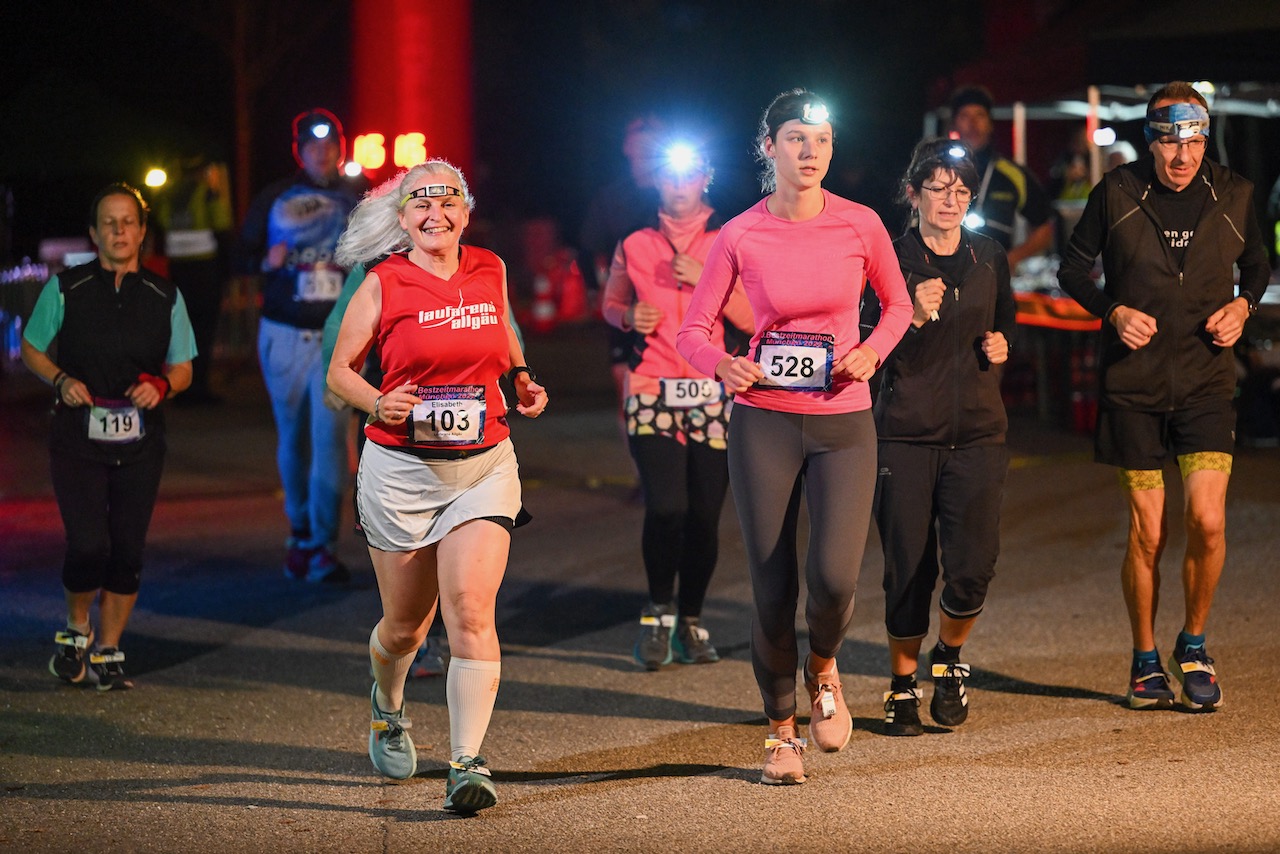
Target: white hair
[(373, 229)]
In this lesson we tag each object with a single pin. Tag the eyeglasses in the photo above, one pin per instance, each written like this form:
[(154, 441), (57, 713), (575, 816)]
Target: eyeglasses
[(963, 195), (1169, 146)]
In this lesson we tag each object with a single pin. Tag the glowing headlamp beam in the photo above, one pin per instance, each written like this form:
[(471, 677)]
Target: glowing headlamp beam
[(681, 158), (815, 114)]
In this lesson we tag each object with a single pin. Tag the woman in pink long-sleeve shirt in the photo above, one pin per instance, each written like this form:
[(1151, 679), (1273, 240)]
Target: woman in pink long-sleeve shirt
[(802, 424), (677, 419)]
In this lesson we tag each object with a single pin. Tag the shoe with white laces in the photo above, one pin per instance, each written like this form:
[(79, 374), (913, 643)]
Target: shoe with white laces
[(390, 747), (950, 703), (783, 758), (107, 664), (692, 643), (902, 712), (830, 725), (469, 787), (68, 662)]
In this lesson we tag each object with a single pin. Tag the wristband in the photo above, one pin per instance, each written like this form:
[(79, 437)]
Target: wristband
[(160, 384), (377, 413), (56, 382), (511, 374)]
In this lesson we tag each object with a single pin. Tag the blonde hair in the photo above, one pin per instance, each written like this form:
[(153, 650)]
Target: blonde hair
[(373, 229)]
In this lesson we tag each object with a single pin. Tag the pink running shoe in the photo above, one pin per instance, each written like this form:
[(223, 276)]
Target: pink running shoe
[(783, 765), (830, 726)]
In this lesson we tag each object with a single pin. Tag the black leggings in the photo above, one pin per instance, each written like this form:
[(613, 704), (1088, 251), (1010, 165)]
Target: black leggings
[(106, 510), (684, 488), (774, 457)]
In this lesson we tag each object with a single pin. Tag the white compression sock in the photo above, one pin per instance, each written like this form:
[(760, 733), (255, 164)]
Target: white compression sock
[(389, 671), (471, 689)]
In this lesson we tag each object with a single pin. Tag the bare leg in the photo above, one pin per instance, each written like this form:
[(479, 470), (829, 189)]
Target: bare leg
[(113, 615), (78, 605), (1140, 573), (954, 631), (1206, 544), (904, 656)]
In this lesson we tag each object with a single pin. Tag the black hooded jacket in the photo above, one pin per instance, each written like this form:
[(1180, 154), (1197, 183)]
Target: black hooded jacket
[(1181, 367), (937, 388)]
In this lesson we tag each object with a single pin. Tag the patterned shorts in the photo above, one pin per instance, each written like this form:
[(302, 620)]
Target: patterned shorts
[(647, 415)]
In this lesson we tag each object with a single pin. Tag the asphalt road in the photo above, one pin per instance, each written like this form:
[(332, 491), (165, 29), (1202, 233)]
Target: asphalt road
[(247, 731)]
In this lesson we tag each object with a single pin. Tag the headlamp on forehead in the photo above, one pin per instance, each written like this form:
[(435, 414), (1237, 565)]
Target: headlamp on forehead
[(956, 152), (682, 159), (321, 130), (431, 190), (815, 114), (1179, 120)]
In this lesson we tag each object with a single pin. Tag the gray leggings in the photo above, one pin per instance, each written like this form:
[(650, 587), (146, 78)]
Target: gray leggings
[(773, 458)]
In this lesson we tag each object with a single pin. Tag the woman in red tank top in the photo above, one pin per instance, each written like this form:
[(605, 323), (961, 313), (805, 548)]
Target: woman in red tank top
[(438, 489)]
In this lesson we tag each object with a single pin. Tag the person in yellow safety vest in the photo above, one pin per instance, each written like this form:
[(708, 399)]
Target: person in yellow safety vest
[(195, 218)]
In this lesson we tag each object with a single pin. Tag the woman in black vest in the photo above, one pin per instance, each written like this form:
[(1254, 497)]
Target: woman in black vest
[(123, 345)]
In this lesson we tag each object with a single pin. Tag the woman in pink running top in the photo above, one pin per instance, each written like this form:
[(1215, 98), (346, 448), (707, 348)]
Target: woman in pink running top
[(438, 488), (802, 422), (677, 419)]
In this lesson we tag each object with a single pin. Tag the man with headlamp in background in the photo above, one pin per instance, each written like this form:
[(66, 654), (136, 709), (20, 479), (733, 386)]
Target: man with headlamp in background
[(1006, 190), (1169, 227), (289, 237)]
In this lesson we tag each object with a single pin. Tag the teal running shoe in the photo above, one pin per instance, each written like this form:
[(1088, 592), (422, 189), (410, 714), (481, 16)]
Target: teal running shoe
[(469, 788), (390, 747)]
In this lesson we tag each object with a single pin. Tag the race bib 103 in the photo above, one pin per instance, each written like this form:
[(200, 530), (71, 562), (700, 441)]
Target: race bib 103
[(448, 415)]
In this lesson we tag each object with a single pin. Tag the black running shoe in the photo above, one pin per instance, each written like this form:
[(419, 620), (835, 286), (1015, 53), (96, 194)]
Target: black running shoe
[(107, 664), (68, 661), (902, 712), (950, 704)]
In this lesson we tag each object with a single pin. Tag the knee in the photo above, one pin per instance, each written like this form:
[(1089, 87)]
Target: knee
[(472, 614), (1208, 527), (400, 636)]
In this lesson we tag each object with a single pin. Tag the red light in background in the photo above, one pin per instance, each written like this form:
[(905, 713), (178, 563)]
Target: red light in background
[(411, 80)]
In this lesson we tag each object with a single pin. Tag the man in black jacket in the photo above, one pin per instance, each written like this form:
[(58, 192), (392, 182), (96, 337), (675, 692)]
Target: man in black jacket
[(1169, 228)]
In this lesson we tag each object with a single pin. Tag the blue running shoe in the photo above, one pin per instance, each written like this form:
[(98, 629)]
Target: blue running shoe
[(469, 788), (390, 747), (1149, 687), (692, 643), (1194, 669)]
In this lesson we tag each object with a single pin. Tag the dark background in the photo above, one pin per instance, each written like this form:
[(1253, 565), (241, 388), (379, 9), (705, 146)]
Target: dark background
[(91, 93)]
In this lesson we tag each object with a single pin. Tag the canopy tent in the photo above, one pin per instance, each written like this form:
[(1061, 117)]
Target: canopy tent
[(1101, 106)]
